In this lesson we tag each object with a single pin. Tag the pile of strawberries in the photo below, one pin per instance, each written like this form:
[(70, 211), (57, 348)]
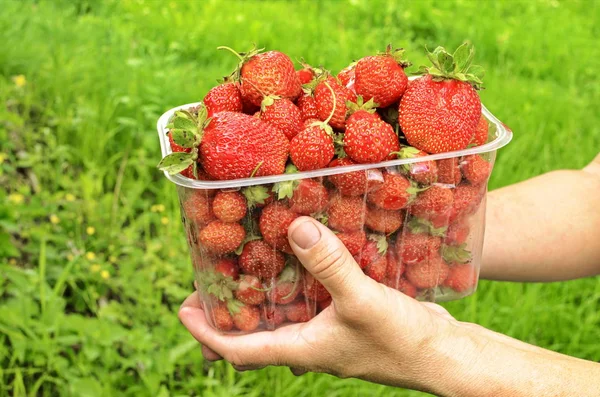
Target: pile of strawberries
[(407, 226)]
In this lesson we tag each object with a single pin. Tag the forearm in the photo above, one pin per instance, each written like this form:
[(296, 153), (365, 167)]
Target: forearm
[(479, 362), (544, 229)]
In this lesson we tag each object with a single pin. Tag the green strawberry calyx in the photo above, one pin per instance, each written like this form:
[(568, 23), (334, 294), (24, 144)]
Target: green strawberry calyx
[(286, 189), (338, 145), (419, 225), (456, 66), (324, 125), (397, 54), (381, 241), (217, 284), (243, 57), (413, 190), (186, 129), (320, 75), (267, 101), (370, 106), (234, 306), (407, 152), (321, 217), (255, 195), (456, 253)]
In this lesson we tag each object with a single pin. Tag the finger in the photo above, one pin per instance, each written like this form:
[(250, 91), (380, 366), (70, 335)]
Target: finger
[(298, 371), (209, 354), (326, 258)]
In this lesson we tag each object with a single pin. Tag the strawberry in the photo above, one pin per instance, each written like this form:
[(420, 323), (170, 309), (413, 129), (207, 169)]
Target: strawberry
[(377, 269), (427, 274), (374, 250), (356, 183), (273, 316), (298, 312), (308, 107), (236, 145), (283, 114), (274, 223), (258, 196), (353, 241), (267, 73), (313, 147), (475, 169), (417, 247), (407, 288), (223, 97), (324, 304), (221, 238), (221, 318), (347, 76), (286, 287), (395, 267), (435, 226), (381, 77), (260, 259), (247, 318), (449, 171), (394, 194), (227, 267), (457, 233), (314, 290), (346, 214), (434, 203), (481, 133), (466, 201), (368, 139), (439, 112), (331, 98), (198, 208), (384, 221), (461, 278), (229, 206), (249, 290), (309, 197), (423, 172), (305, 75)]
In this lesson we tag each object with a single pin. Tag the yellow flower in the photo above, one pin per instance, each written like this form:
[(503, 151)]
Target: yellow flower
[(164, 220), (105, 274), (54, 219), (95, 268), (16, 198), (112, 259), (12, 261), (90, 256), (69, 197), (20, 80), (160, 208), (90, 230), (2, 157)]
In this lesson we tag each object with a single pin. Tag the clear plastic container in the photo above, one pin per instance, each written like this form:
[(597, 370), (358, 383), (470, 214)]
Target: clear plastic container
[(427, 245)]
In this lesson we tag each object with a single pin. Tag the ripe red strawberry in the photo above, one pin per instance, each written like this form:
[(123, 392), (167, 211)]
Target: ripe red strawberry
[(286, 287), (481, 133), (384, 221), (267, 73), (312, 148), (247, 318), (381, 77), (347, 76), (314, 290), (221, 238), (394, 194), (355, 183), (273, 316), (221, 318), (309, 197), (198, 208), (227, 267), (323, 304), (377, 269), (407, 288), (462, 277), (457, 233), (433, 203), (466, 201), (308, 107), (229, 206), (439, 112), (283, 114), (475, 169), (417, 247), (427, 274), (298, 312), (224, 97), (274, 223), (305, 75), (249, 290), (449, 171), (423, 172), (346, 214), (236, 145), (325, 93), (353, 241), (368, 139), (395, 267), (260, 259), (373, 251)]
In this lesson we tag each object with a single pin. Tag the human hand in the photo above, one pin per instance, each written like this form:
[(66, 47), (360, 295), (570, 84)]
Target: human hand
[(369, 331)]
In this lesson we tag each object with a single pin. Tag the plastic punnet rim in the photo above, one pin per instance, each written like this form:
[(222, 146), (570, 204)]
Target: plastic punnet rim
[(503, 137)]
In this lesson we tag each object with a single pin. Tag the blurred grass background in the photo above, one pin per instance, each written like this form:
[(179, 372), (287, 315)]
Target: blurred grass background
[(93, 259)]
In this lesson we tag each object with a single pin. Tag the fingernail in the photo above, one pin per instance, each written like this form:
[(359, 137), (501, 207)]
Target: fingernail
[(306, 235)]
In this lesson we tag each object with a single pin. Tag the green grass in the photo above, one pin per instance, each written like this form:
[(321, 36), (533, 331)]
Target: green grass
[(94, 314)]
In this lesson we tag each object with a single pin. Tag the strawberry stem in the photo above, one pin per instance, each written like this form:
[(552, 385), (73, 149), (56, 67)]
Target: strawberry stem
[(234, 52), (334, 102)]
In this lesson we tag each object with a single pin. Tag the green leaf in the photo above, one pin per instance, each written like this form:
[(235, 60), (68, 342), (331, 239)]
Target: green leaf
[(418, 225), (234, 306), (184, 123), (321, 217), (174, 163), (446, 62), (456, 254), (256, 195), (286, 189), (463, 57), (203, 116), (382, 243), (183, 138)]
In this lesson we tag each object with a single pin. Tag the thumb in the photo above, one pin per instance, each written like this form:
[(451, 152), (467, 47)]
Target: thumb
[(326, 258)]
